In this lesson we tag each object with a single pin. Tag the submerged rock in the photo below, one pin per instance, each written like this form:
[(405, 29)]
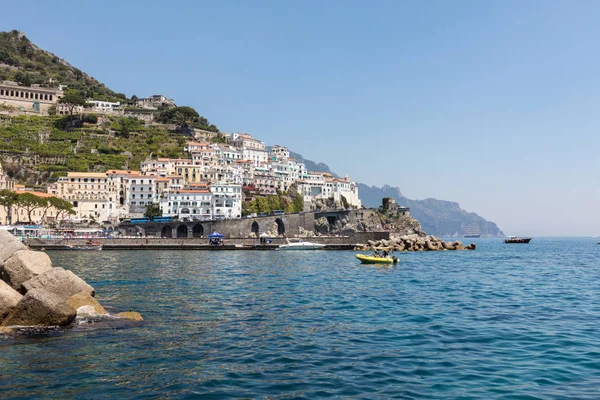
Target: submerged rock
[(131, 315), (86, 305)]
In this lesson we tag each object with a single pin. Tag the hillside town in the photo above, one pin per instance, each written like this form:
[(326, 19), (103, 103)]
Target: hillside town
[(211, 183)]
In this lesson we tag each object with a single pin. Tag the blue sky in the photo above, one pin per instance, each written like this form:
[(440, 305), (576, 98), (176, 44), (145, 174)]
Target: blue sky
[(491, 104)]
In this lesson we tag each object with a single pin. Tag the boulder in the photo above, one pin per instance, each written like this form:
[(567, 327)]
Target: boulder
[(40, 308), (322, 225), (430, 246), (447, 246), (59, 281), (9, 244), (348, 230), (22, 266), (9, 298), (132, 315), (86, 305)]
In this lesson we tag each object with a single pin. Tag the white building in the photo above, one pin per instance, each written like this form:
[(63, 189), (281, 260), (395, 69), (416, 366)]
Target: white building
[(141, 192), (193, 202), (99, 105), (227, 200), (324, 186), (251, 149), (280, 152), (227, 154), (286, 172)]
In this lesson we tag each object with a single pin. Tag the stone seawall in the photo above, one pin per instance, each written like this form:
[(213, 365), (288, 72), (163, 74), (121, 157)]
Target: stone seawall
[(326, 223), (152, 243)]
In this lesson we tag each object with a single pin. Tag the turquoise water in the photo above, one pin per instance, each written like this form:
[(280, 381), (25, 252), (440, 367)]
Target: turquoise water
[(504, 321)]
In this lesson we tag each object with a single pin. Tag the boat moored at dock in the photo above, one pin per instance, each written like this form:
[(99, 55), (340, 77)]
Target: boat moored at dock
[(302, 246)]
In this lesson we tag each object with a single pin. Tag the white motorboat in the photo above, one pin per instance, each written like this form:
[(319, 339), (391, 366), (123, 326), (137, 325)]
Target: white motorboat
[(301, 246)]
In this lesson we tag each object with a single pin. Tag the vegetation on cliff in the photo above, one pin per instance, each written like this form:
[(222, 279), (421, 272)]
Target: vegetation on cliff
[(186, 117), (23, 62), (290, 202), (35, 148)]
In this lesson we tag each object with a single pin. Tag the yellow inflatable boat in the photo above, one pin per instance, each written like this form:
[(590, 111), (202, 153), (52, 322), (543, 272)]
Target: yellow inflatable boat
[(365, 259)]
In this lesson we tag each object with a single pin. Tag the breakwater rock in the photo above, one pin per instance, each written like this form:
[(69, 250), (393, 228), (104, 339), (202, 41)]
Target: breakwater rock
[(414, 243), (34, 293)]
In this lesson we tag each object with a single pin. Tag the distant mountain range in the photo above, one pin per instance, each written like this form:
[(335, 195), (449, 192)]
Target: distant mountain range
[(437, 217)]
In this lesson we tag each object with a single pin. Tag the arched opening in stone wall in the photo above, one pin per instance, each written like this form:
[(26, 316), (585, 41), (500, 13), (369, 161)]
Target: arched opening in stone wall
[(182, 231), (197, 231), (254, 228), (280, 226), (167, 232), (151, 231)]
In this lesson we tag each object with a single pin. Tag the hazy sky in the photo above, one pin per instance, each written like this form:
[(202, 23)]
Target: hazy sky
[(491, 104)]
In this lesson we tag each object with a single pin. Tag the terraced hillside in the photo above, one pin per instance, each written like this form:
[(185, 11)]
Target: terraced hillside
[(36, 148)]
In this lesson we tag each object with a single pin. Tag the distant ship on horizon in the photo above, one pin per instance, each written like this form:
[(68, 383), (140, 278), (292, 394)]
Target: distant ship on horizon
[(472, 232)]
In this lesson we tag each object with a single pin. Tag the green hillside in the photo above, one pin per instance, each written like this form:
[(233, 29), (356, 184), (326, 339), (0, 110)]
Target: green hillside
[(22, 61), (36, 148)]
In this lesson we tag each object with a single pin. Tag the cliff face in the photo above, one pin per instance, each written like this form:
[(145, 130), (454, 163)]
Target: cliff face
[(369, 221), (436, 217)]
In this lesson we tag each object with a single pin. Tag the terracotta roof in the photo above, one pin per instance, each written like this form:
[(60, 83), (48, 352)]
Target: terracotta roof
[(193, 191), (197, 144), (87, 174), (121, 171)]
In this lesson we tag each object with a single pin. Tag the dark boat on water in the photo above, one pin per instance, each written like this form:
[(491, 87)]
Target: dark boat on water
[(514, 239)]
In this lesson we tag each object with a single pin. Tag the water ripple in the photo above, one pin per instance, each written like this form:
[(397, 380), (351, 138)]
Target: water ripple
[(505, 322)]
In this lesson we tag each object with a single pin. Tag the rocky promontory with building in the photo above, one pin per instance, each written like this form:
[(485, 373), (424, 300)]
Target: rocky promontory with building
[(34, 293)]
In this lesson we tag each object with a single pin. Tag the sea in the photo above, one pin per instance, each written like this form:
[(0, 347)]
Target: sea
[(506, 321)]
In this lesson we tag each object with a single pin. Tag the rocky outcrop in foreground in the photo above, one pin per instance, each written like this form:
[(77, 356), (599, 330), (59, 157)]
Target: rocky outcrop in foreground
[(414, 243), (33, 293)]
